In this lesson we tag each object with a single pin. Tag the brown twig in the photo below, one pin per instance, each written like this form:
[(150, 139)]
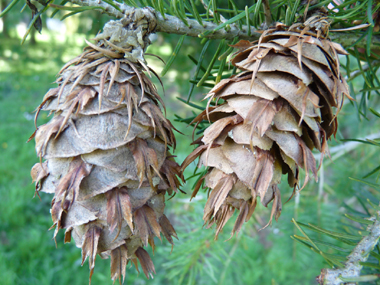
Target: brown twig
[(267, 13), (222, 19)]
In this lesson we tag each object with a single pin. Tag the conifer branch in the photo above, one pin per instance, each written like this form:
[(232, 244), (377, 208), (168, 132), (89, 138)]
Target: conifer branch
[(105, 7), (359, 254), (174, 25)]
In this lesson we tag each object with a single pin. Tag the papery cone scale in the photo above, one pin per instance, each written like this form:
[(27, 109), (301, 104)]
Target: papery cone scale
[(106, 159), (268, 118)]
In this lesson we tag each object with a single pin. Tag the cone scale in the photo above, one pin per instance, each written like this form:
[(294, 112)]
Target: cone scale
[(267, 120), (104, 154)]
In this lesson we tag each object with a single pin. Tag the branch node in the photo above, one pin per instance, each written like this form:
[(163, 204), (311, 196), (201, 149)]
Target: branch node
[(129, 35), (173, 25)]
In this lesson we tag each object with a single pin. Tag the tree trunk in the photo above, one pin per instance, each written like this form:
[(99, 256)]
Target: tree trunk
[(5, 32), (33, 36)]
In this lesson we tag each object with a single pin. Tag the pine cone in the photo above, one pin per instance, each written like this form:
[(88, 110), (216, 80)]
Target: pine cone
[(106, 158), (273, 113)]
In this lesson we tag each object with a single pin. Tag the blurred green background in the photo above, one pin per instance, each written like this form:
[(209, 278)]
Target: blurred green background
[(27, 251)]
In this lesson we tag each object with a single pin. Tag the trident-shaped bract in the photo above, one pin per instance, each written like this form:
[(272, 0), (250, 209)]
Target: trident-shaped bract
[(106, 156), (267, 120)]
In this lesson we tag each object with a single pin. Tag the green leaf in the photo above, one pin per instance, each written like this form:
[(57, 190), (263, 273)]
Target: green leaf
[(353, 11), (332, 263), (205, 84), (356, 42), (363, 205), (294, 10), (194, 175), (373, 142), (235, 12), (209, 270), (220, 71), (229, 50), (296, 238), (355, 100), (369, 13), (195, 12), (287, 16), (361, 68), (179, 13), (161, 8), (173, 55), (363, 278), (71, 14), (333, 259), (182, 11), (207, 11), (373, 111), (75, 9), (23, 8), (376, 207), (8, 8), (201, 174), (372, 172), (375, 255), (330, 245), (359, 220), (306, 236), (343, 237), (248, 22), (190, 104), (256, 14), (112, 3), (336, 234), (230, 21), (370, 142), (207, 73), (62, 3), (338, 258), (216, 14), (369, 40), (132, 3), (370, 264), (364, 233), (199, 67), (372, 71), (154, 4), (366, 182)]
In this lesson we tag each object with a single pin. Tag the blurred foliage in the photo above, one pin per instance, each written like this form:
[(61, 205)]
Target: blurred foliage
[(357, 224), (269, 256)]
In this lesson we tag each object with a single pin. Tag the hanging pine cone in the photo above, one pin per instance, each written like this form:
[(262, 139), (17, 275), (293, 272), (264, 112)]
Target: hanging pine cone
[(273, 113), (106, 152)]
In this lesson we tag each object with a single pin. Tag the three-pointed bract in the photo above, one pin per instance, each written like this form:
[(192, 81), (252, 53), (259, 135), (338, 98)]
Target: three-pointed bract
[(269, 118), (106, 159)]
